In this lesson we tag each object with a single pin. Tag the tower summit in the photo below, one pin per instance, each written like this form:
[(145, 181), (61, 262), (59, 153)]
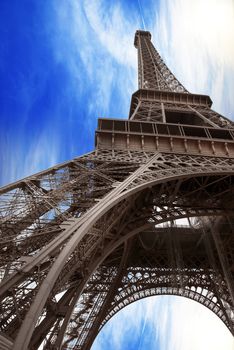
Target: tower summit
[(85, 238), (152, 71)]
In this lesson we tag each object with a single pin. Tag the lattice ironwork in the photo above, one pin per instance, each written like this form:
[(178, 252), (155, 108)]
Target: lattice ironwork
[(152, 71), (83, 239)]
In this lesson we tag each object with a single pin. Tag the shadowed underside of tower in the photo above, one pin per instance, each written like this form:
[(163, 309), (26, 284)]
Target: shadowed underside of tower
[(85, 238)]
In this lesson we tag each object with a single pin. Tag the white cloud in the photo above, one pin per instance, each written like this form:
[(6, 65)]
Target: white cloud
[(114, 31), (197, 328), (196, 38)]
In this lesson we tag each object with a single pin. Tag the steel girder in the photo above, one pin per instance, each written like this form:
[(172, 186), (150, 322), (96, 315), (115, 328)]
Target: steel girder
[(164, 188)]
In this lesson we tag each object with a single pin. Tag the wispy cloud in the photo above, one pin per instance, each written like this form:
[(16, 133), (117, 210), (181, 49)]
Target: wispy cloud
[(99, 37), (87, 44), (20, 161)]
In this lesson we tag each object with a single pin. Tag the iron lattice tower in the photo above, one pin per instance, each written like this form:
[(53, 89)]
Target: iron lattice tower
[(81, 240)]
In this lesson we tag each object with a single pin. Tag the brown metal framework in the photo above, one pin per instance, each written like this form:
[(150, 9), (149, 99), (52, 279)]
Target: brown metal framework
[(85, 238)]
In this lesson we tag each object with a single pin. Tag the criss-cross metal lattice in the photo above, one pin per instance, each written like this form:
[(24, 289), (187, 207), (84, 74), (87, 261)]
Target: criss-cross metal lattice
[(87, 237), (152, 71)]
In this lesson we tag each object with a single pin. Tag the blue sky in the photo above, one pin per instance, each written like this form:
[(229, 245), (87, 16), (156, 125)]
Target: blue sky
[(63, 64)]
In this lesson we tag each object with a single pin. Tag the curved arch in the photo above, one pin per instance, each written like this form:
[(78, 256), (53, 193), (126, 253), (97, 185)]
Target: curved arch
[(205, 300), (189, 293), (93, 266), (183, 314), (135, 183)]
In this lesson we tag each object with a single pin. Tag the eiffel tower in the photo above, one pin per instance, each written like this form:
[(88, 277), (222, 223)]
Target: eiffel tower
[(149, 212)]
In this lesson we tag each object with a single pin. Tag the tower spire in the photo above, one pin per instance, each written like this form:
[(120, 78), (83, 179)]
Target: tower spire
[(152, 71), (162, 98)]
